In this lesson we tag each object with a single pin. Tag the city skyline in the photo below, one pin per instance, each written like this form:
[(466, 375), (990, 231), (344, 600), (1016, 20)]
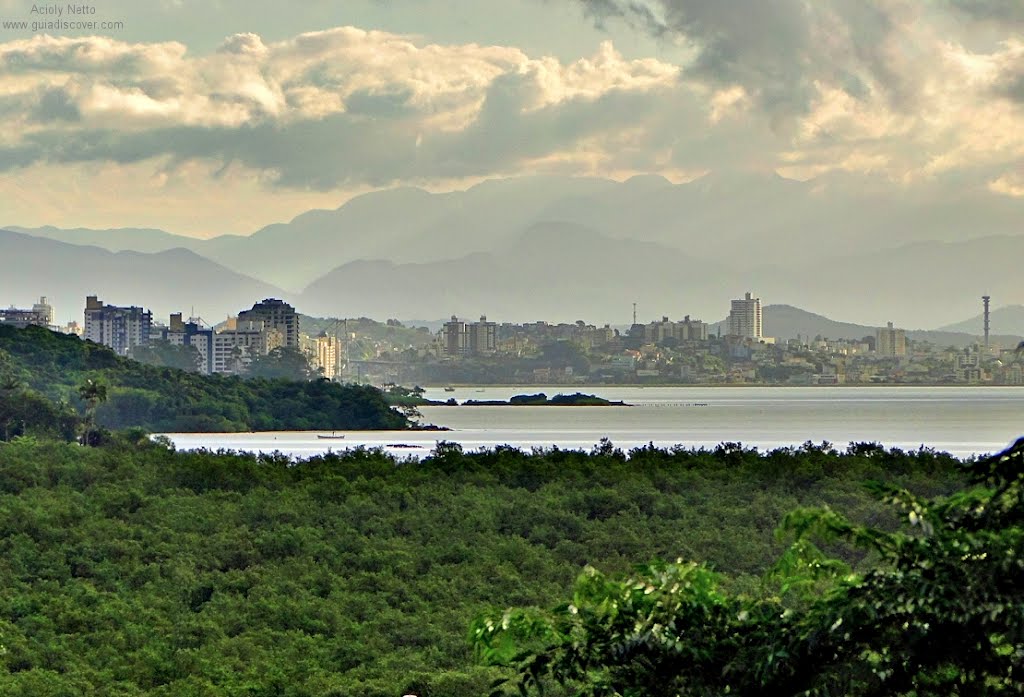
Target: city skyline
[(664, 350)]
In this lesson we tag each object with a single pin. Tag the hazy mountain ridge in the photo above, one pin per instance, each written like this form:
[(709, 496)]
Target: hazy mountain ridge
[(923, 284), (1004, 320), (559, 272), (551, 272), (175, 280), (146, 240), (788, 322), (848, 245)]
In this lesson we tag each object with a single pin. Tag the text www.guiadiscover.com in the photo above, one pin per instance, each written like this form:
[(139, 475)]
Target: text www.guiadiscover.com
[(61, 25)]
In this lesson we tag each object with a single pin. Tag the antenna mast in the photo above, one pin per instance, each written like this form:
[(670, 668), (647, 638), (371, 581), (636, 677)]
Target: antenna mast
[(985, 299)]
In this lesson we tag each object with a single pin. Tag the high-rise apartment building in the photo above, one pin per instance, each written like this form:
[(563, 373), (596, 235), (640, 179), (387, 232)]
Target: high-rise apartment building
[(327, 355), (745, 318), (275, 314), (483, 336), (120, 328), (454, 337), (891, 342), (459, 338)]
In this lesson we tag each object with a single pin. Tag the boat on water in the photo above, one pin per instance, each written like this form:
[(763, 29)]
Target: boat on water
[(333, 436)]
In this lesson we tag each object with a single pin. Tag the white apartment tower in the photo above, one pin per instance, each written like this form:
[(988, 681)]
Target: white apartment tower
[(745, 318), (327, 355)]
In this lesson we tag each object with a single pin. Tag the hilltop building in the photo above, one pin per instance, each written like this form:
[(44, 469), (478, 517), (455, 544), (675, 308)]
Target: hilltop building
[(685, 329), (275, 314), (745, 318), (41, 315), (120, 328), (44, 309), (890, 342)]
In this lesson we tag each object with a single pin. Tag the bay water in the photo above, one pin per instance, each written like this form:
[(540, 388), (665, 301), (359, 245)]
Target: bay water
[(960, 420)]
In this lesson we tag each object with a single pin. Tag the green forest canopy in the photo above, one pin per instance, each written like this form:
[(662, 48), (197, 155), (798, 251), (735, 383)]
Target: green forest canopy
[(938, 611), (131, 569), (36, 362)]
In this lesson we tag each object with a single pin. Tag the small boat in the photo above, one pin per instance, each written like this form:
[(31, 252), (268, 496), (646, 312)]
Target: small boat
[(333, 436)]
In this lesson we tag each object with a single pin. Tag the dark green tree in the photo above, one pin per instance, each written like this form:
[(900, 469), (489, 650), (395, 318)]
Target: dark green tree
[(940, 611), (563, 354), (167, 355), (93, 393), (284, 363)]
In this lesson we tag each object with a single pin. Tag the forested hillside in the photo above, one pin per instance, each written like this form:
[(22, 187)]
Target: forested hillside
[(35, 362), (134, 570)]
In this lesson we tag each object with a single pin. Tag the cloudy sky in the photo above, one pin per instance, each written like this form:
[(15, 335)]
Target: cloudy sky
[(219, 116)]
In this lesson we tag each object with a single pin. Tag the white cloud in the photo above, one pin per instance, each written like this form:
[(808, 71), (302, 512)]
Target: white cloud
[(259, 103), (874, 86)]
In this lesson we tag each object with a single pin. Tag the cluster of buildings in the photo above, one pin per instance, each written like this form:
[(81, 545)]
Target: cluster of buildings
[(685, 351), (227, 349), (460, 338), (664, 350), (40, 315)]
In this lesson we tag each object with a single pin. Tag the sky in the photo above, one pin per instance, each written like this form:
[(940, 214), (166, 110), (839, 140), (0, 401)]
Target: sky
[(205, 117)]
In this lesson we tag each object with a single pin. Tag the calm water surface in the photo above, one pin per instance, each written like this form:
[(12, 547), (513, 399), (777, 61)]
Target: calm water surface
[(959, 420)]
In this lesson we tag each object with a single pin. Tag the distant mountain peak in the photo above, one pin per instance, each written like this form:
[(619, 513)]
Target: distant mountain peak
[(736, 179), (647, 181), (1007, 319)]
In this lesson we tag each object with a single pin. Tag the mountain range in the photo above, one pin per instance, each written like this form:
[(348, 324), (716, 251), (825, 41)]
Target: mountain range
[(175, 280), (564, 248), (788, 322)]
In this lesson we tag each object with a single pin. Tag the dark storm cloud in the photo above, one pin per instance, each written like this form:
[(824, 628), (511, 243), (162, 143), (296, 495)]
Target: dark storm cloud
[(320, 154), (1011, 84), (56, 105), (505, 134), (344, 149), (997, 10), (781, 50), (333, 108)]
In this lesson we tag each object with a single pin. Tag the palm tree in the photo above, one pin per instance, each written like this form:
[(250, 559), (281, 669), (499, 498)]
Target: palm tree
[(93, 393)]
